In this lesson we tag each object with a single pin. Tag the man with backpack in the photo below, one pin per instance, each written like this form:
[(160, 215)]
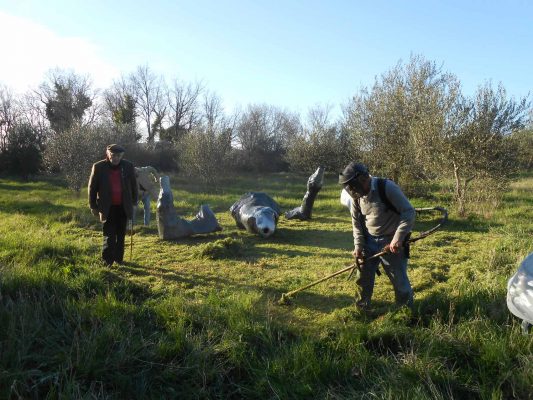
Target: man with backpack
[(381, 217)]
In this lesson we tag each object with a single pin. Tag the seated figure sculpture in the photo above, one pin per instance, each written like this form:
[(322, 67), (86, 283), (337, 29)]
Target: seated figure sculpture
[(314, 184), (520, 293), (257, 213), (170, 226)]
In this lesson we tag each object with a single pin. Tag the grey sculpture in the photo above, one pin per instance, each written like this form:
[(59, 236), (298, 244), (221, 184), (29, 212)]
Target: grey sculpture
[(314, 184), (520, 293), (257, 213), (171, 226)]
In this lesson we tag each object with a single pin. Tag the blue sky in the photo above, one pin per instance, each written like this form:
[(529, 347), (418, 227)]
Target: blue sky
[(293, 54)]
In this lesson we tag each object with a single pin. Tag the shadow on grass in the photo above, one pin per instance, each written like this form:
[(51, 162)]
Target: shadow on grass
[(34, 207)]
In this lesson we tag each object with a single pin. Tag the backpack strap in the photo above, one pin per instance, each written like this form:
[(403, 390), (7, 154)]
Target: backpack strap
[(383, 195)]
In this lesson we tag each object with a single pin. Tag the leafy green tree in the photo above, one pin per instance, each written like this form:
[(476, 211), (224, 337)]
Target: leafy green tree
[(392, 123), (476, 145)]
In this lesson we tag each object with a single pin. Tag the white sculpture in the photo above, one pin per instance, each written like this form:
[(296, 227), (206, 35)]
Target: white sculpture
[(520, 293)]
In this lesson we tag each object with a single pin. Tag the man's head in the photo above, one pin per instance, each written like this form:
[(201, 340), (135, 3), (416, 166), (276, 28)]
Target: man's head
[(355, 179), (114, 153)]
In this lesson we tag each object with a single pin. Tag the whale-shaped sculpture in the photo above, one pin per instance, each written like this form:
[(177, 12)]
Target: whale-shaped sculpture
[(314, 184), (520, 293), (170, 226), (256, 212)]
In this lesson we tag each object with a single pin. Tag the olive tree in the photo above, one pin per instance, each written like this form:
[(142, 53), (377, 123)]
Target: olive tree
[(394, 122), (475, 150)]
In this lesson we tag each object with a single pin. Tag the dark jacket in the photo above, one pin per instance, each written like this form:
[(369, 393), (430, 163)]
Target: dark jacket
[(100, 188)]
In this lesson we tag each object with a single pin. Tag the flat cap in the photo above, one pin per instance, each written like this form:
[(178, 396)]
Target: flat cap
[(115, 148), (351, 171)]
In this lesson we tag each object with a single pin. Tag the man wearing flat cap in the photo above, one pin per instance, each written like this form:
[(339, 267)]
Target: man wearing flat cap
[(113, 193), (381, 217)]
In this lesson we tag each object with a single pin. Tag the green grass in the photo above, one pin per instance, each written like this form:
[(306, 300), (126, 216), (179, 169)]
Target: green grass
[(197, 318)]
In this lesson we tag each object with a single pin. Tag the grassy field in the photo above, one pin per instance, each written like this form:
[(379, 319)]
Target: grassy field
[(197, 318)]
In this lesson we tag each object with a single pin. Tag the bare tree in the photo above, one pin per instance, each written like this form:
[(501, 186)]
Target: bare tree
[(150, 96), (184, 113), (9, 114), (321, 142), (263, 133)]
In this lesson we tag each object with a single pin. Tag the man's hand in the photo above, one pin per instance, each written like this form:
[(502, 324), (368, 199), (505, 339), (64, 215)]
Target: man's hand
[(358, 254), (95, 212), (395, 246)]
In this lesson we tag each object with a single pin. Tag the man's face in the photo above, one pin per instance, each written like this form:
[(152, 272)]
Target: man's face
[(358, 186), (114, 158)]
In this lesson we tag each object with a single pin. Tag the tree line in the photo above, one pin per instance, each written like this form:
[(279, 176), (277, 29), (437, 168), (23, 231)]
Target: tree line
[(413, 125)]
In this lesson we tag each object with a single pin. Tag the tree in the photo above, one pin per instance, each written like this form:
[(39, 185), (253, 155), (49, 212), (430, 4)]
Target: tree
[(392, 123), (184, 114), (66, 98), (321, 142), (23, 154), (9, 115), (476, 147), (149, 92), (262, 134)]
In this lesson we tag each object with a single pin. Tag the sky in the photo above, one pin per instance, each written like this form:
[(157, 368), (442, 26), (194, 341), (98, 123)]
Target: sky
[(291, 54)]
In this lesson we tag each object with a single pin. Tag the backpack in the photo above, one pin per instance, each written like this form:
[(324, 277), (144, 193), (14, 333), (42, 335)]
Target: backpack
[(382, 182)]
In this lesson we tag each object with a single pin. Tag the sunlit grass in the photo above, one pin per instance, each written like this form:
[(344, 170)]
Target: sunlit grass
[(198, 317)]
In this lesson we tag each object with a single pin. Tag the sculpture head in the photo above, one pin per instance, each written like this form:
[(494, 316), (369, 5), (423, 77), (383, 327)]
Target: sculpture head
[(263, 221)]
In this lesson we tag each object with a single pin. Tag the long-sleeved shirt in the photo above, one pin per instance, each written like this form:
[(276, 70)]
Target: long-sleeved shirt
[(379, 220)]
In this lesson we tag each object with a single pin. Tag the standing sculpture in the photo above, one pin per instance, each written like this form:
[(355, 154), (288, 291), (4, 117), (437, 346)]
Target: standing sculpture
[(314, 184), (520, 293), (257, 213), (170, 226)]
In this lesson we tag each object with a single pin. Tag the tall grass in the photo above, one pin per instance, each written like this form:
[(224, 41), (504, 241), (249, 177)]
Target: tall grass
[(197, 318)]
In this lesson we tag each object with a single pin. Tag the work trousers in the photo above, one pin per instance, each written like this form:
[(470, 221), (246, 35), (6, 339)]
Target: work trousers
[(114, 235), (395, 266)]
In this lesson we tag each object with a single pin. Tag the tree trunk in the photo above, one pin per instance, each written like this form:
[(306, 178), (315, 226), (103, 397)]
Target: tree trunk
[(459, 191)]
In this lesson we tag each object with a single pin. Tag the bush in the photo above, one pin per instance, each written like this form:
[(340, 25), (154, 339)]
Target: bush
[(161, 155), (74, 151), (23, 154)]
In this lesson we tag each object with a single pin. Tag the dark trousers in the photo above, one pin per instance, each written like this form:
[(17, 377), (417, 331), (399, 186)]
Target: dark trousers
[(114, 235)]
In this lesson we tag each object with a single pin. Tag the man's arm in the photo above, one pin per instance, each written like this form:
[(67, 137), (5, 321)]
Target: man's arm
[(357, 227), (406, 210)]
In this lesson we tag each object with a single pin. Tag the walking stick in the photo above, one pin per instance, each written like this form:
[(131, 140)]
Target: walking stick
[(131, 241)]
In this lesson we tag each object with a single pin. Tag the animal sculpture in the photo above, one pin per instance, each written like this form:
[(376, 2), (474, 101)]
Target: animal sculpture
[(256, 212), (170, 226)]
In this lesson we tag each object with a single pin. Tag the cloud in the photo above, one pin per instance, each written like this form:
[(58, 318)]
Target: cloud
[(29, 50)]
